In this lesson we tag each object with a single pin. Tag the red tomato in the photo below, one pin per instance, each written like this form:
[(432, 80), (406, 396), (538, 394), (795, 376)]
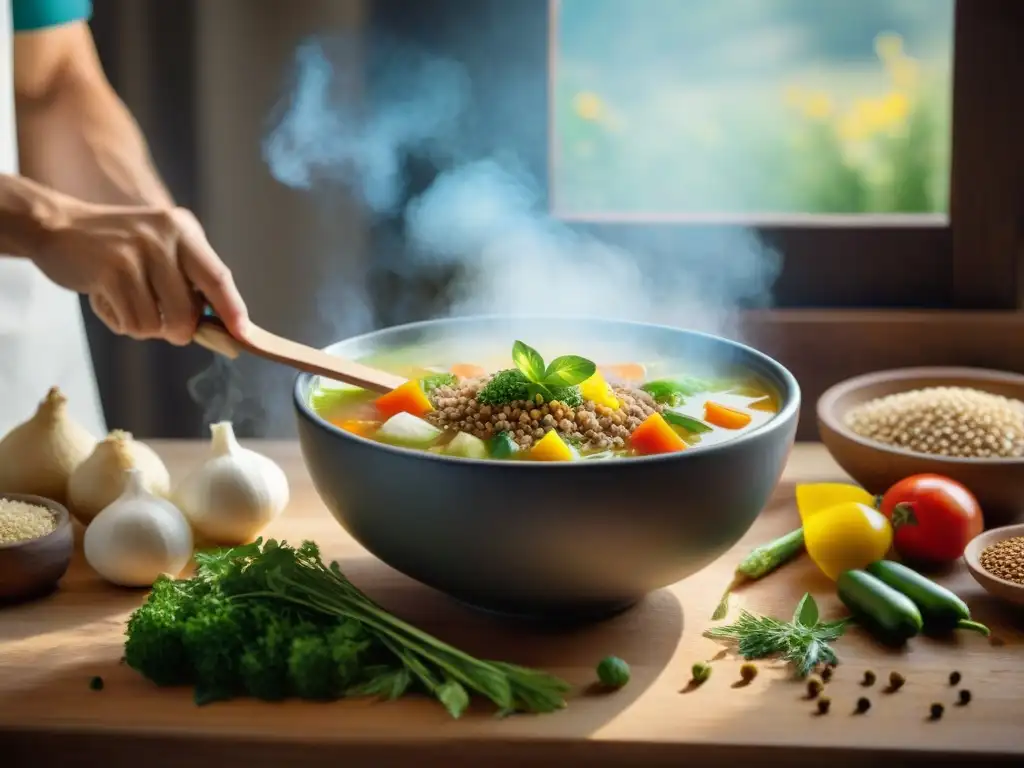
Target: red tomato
[(933, 518)]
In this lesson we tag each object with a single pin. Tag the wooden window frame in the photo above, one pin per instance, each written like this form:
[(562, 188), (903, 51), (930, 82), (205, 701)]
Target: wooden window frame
[(850, 298)]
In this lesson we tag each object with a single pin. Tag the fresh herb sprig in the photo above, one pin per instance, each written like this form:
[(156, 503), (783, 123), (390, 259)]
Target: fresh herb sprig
[(270, 620), (564, 371), (803, 641)]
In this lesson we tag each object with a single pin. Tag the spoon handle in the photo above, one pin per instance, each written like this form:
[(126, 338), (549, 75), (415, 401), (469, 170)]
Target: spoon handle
[(212, 334)]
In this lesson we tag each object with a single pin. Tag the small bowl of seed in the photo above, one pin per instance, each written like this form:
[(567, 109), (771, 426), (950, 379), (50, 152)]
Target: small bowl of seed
[(964, 423), (36, 543), (996, 561)]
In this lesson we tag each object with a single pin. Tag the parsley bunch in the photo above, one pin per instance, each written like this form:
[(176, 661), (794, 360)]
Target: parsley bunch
[(271, 621)]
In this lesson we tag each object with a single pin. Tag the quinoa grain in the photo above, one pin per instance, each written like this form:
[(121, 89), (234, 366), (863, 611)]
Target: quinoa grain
[(21, 521), (946, 421)]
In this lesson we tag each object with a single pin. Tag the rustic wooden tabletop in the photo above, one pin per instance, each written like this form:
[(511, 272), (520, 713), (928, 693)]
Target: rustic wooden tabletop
[(51, 648)]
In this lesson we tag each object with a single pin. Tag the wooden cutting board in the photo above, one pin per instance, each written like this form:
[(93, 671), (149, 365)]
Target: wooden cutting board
[(50, 649)]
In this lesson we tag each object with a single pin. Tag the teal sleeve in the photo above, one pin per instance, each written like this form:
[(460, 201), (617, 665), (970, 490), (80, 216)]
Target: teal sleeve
[(39, 14)]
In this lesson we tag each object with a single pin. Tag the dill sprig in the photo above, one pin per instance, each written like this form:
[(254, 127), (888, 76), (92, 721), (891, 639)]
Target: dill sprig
[(803, 642)]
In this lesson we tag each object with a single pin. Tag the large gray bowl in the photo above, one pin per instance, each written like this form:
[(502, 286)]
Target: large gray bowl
[(550, 540)]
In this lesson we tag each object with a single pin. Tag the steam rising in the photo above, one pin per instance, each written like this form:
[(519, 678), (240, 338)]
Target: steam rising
[(484, 216)]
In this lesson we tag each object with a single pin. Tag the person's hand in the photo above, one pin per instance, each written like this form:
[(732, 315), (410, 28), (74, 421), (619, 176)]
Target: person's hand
[(146, 271)]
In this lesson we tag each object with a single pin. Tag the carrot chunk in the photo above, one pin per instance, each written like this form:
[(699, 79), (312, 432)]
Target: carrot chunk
[(625, 371), (467, 371), (726, 418), (408, 398), (655, 435)]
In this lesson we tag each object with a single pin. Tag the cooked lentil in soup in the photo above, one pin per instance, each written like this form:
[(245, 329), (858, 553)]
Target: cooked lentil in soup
[(566, 410)]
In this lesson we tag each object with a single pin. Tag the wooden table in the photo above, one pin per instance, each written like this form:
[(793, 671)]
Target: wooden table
[(50, 649)]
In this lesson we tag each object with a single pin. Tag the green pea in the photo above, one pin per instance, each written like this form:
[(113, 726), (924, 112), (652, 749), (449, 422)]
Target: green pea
[(613, 672)]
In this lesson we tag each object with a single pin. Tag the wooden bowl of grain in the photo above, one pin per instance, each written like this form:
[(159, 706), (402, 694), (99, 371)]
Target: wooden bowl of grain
[(36, 543), (884, 426), (996, 561)]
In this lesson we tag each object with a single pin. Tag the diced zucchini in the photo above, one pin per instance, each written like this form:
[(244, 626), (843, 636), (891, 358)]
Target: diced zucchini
[(408, 431), (503, 446), (467, 446)]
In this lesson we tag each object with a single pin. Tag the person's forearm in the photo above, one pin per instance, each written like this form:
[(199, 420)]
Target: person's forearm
[(28, 211), (81, 140)]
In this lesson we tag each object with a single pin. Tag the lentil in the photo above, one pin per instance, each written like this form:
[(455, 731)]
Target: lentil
[(945, 421), (748, 672), (863, 705), (965, 697), (823, 705), (591, 427), (21, 521), (936, 711), (826, 673), (1005, 559), (869, 678), (896, 681), (954, 678), (701, 672), (96, 683)]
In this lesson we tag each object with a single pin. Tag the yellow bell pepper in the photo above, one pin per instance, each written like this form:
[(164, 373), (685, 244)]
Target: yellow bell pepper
[(846, 536), (812, 498), (597, 389), (551, 448)]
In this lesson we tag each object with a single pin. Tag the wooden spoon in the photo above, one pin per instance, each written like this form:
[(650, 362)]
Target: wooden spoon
[(213, 335)]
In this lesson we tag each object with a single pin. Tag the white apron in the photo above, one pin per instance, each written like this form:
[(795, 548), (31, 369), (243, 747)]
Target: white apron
[(42, 335)]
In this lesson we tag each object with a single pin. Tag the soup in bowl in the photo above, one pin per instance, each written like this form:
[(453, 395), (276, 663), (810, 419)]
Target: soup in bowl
[(549, 465)]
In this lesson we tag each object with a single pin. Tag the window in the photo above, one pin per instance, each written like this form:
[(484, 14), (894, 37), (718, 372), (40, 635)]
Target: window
[(751, 111), (951, 240)]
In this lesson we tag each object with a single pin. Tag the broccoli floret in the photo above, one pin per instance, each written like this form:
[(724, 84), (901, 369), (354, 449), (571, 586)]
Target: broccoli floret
[(324, 665), (311, 668), (570, 396), (264, 664), (504, 387), (215, 641), (510, 385), (435, 380), (155, 633)]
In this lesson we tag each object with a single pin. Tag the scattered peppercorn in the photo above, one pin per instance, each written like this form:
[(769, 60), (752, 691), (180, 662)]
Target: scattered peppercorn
[(748, 672), (965, 697), (814, 687), (954, 678), (869, 678), (701, 672), (863, 705), (826, 673), (936, 711), (823, 704), (96, 683), (896, 681)]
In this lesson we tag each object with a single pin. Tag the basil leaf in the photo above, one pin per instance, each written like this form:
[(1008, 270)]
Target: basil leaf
[(539, 389), (806, 612), (568, 370), (454, 697), (528, 361)]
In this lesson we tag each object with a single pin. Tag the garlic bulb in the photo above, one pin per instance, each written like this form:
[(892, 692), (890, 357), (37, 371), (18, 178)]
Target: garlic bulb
[(39, 455), (102, 477), (235, 493), (138, 537)]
